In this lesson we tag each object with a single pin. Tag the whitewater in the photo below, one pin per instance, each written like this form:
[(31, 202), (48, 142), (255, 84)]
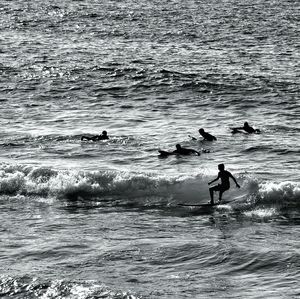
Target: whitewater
[(84, 219)]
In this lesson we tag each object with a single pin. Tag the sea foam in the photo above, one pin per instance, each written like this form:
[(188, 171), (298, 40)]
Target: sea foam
[(84, 185)]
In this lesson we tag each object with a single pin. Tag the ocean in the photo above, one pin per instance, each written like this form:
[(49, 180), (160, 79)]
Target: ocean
[(84, 219)]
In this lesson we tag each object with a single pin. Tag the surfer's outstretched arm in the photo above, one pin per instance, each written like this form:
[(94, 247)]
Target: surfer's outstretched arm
[(234, 180), (214, 180), (86, 138), (192, 137), (197, 153)]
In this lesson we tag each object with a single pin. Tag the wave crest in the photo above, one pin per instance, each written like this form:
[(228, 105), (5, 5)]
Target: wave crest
[(98, 185), (284, 192), (74, 184)]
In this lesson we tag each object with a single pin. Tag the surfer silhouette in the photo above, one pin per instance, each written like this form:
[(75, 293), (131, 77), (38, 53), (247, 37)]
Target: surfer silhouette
[(180, 151), (206, 136), (103, 136), (224, 175), (245, 129), (184, 151)]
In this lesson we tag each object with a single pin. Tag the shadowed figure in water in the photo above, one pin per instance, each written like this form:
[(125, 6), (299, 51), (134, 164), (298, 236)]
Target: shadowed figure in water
[(206, 136), (224, 175), (245, 129), (103, 136), (180, 151), (184, 151)]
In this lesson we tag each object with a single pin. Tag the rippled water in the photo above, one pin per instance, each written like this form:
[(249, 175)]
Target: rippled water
[(101, 219)]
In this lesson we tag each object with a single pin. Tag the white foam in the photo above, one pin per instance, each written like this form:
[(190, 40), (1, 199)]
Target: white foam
[(281, 192), (261, 213), (46, 182)]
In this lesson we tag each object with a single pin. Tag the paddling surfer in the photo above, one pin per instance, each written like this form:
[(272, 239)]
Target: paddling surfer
[(206, 136), (184, 151), (103, 136), (224, 175), (179, 151), (246, 128)]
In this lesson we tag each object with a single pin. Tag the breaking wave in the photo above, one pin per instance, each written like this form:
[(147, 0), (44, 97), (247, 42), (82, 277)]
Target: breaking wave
[(103, 185), (32, 287)]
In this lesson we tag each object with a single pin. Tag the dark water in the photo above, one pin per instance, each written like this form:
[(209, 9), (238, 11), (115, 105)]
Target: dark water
[(101, 219)]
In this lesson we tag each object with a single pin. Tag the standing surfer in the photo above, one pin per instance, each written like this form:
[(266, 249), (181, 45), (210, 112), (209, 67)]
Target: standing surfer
[(224, 175)]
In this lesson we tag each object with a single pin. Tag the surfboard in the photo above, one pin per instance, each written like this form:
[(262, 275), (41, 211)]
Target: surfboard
[(204, 204), (164, 153), (234, 131)]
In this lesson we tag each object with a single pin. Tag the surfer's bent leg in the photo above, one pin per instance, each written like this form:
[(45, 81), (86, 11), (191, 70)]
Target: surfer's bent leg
[(222, 189), (220, 195), (211, 191), (219, 188)]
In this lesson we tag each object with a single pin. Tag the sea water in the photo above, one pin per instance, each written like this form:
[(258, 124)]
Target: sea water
[(83, 219)]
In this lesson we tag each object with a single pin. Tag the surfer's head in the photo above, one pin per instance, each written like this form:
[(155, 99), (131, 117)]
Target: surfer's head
[(246, 125), (104, 133), (201, 131), (221, 167), (178, 146)]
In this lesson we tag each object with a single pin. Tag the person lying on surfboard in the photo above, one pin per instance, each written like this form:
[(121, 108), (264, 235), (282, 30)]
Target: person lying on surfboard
[(184, 151), (180, 151), (245, 129), (103, 136), (224, 175), (206, 136)]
